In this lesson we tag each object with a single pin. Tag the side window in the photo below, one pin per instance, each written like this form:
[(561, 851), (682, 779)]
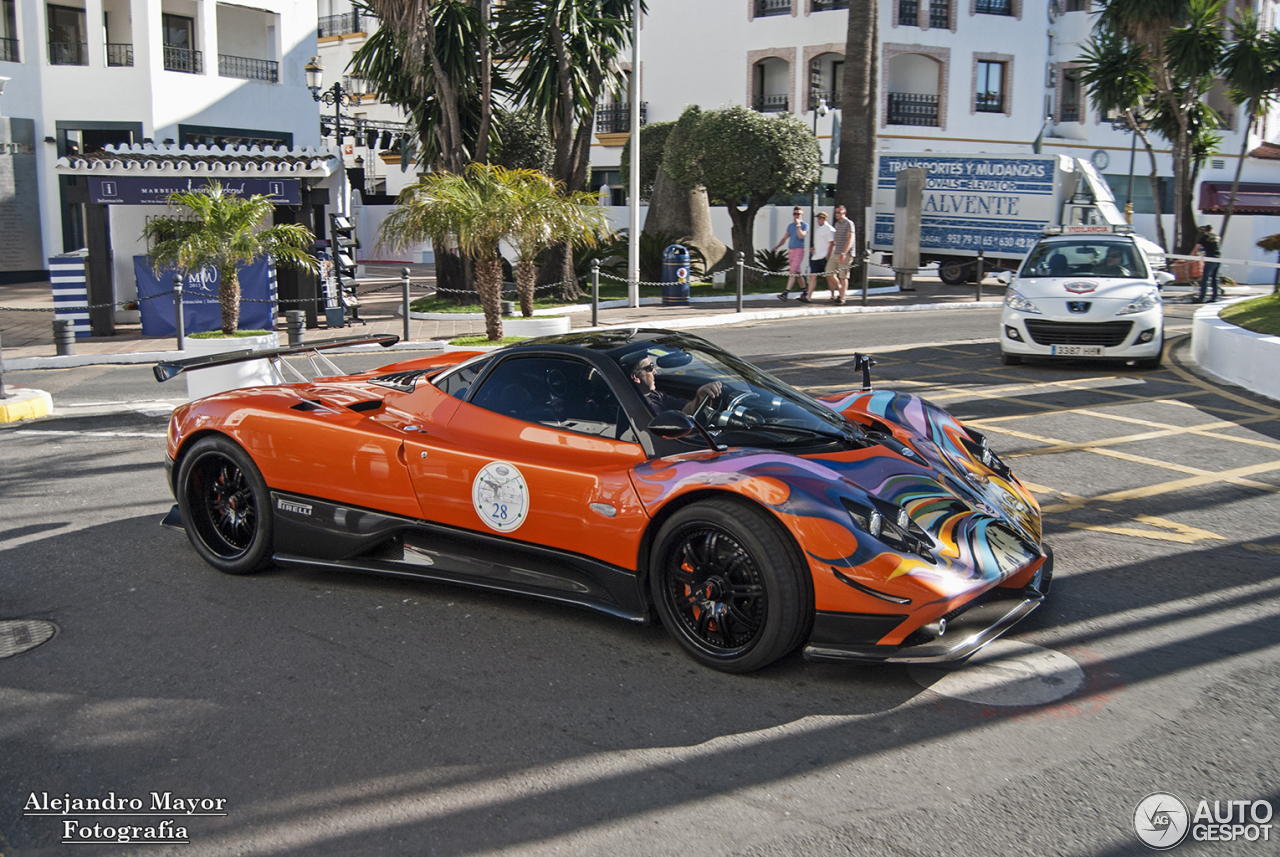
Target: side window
[(458, 382), (553, 391)]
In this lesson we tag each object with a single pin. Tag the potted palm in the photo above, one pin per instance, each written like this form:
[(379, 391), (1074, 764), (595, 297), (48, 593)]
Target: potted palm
[(222, 231), (478, 208), (543, 215)]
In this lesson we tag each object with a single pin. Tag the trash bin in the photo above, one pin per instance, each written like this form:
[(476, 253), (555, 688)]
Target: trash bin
[(675, 276)]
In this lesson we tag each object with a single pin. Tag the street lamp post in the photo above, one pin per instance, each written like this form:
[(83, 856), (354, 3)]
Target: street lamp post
[(338, 96), (821, 110)]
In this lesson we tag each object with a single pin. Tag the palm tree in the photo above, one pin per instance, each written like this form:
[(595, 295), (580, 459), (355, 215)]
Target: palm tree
[(223, 232), (1251, 68), (858, 102), (543, 216)]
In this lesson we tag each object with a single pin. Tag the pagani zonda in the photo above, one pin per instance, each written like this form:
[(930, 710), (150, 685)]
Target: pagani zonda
[(749, 517)]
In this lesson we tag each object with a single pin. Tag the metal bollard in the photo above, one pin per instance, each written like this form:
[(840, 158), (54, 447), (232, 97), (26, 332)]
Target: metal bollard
[(64, 336), (295, 321), (980, 274), (866, 272), (3, 394), (179, 325), (595, 292), (741, 272)]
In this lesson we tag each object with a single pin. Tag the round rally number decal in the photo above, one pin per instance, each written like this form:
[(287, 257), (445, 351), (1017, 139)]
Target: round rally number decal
[(501, 496)]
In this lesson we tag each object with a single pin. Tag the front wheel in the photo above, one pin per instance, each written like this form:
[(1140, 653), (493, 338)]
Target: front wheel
[(225, 506), (729, 586)]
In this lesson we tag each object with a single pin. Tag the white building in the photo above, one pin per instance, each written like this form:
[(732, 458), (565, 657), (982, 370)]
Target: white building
[(954, 76), (85, 74)]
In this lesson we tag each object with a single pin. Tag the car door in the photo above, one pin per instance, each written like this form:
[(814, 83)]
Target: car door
[(538, 453)]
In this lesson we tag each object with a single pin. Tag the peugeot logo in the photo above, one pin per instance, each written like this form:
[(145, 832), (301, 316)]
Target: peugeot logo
[(1081, 287), (1078, 306)]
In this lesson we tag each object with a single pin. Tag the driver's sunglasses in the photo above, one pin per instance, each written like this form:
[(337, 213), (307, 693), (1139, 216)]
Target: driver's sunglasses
[(648, 367)]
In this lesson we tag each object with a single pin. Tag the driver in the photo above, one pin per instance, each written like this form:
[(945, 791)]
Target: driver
[(1113, 265), (643, 370)]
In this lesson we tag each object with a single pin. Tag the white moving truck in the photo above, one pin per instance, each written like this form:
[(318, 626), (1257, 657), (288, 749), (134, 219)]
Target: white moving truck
[(999, 204)]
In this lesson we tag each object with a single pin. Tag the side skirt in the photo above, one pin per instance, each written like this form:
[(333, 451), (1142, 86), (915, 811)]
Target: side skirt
[(329, 535)]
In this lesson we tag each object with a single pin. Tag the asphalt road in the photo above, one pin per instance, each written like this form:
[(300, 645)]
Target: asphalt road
[(339, 714)]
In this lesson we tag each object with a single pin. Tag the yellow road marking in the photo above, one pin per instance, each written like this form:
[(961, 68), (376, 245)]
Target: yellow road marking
[(1254, 546), (1181, 533)]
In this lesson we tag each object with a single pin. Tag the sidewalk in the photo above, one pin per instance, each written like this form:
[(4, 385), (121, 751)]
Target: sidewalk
[(26, 337)]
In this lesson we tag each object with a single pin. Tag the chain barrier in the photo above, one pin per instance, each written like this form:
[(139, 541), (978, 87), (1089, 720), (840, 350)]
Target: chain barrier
[(139, 300)]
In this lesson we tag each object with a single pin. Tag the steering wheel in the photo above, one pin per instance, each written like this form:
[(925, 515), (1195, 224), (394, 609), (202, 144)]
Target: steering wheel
[(727, 407)]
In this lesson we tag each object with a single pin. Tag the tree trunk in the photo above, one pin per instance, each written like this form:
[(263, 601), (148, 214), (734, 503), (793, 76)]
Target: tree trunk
[(1161, 238), (859, 107), (687, 215), (229, 299), (526, 278), (1235, 182), (489, 281), (486, 87)]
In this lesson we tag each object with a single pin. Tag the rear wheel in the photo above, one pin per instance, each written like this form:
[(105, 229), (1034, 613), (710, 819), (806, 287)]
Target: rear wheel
[(225, 506), (953, 272), (729, 585)]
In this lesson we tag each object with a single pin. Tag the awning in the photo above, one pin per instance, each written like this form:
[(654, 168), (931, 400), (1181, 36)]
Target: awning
[(1251, 198)]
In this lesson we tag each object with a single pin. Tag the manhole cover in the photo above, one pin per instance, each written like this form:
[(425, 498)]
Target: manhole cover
[(21, 635), (1006, 673)]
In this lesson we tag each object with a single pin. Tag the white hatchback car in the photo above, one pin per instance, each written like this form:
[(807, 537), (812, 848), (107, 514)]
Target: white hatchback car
[(1093, 294)]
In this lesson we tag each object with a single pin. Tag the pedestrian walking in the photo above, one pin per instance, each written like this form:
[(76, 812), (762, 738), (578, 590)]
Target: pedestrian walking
[(797, 231), (838, 256), (1212, 250), (823, 234)]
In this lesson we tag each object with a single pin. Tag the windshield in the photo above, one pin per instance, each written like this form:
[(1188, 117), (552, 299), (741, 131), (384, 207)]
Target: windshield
[(1088, 257), (738, 403)]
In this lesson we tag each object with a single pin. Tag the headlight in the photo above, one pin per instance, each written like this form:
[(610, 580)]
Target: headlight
[(1014, 300), (1150, 300)]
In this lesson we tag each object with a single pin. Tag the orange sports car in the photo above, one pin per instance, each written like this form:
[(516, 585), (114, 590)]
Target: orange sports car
[(635, 472)]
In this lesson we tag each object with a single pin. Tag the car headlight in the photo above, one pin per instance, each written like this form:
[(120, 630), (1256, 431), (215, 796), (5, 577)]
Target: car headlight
[(1013, 299), (1150, 300)]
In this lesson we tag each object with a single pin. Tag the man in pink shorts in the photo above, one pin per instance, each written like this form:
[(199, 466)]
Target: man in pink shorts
[(797, 231)]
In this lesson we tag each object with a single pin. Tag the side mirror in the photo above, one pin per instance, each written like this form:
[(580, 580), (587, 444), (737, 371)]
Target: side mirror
[(1004, 277), (671, 425), (1164, 278)]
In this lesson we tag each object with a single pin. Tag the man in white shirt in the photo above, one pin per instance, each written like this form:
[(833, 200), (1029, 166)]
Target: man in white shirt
[(823, 234)]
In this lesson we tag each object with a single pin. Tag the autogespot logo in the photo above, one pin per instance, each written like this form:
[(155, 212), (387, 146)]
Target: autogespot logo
[(1161, 821)]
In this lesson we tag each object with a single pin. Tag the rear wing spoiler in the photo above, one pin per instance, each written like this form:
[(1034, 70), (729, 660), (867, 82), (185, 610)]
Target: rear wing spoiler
[(167, 369)]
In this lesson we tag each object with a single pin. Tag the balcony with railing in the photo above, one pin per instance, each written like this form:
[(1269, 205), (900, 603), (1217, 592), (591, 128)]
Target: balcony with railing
[(912, 108), (940, 14), (994, 7), (342, 25), (616, 118), (765, 8), (68, 53), (9, 50), (183, 59), (831, 96), (771, 104), (989, 102), (247, 68), (825, 5), (119, 55)]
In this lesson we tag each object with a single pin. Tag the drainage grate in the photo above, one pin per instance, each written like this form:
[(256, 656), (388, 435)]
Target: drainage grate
[(22, 635)]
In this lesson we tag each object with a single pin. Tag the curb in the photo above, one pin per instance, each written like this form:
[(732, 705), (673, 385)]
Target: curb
[(25, 404), (1229, 353)]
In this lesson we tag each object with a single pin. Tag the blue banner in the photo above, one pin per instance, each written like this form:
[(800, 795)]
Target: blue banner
[(201, 310)]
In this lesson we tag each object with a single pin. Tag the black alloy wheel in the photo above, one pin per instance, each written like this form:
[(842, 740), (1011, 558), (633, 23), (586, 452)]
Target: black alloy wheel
[(225, 506), (729, 586)]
